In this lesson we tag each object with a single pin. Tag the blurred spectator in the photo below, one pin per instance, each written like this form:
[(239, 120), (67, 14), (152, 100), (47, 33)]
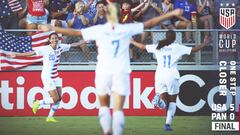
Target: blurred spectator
[(10, 19), (78, 19), (126, 16), (127, 11), (166, 7), (100, 17), (216, 4), (205, 8), (37, 14), (151, 9), (189, 7), (90, 8), (59, 10), (137, 16), (22, 24)]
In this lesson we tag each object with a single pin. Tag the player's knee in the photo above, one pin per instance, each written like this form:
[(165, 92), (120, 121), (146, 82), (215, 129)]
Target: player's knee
[(164, 96)]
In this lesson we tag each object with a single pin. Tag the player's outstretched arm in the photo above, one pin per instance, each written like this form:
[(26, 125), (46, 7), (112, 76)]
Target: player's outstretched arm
[(200, 46), (13, 55), (139, 6), (78, 44), (138, 45), (156, 20), (65, 31)]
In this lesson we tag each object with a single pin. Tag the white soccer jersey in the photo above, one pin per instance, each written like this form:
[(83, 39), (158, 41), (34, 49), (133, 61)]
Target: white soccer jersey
[(51, 59), (113, 45), (168, 56)]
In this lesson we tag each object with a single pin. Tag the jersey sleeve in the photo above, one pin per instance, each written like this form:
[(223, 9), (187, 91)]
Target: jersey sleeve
[(65, 47), (134, 28), (182, 49), (91, 33), (151, 48)]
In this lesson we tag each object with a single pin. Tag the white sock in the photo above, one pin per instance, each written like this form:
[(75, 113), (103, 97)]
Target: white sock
[(118, 122), (45, 101), (53, 109), (171, 112), (104, 116)]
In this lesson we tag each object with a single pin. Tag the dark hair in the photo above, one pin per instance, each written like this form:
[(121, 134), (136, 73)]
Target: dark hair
[(101, 2), (50, 35), (170, 38), (54, 33), (126, 1)]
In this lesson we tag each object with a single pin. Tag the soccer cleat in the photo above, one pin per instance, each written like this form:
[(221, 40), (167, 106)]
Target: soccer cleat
[(51, 119), (107, 133), (35, 106), (158, 102), (155, 99), (167, 127), (161, 104)]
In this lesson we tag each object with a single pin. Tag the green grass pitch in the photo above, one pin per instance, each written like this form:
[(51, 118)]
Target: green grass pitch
[(87, 125)]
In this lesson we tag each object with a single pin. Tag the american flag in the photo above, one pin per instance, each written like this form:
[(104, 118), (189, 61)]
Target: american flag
[(7, 7), (10, 43)]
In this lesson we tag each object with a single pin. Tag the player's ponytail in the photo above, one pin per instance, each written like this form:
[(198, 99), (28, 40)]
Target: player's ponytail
[(113, 13), (170, 38)]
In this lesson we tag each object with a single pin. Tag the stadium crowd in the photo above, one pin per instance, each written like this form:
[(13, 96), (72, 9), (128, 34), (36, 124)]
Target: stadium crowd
[(79, 14)]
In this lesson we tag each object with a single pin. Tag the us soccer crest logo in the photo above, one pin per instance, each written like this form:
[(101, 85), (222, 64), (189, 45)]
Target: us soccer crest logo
[(227, 17)]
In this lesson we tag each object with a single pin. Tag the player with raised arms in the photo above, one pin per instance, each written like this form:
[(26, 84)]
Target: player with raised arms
[(167, 75), (113, 63), (50, 78)]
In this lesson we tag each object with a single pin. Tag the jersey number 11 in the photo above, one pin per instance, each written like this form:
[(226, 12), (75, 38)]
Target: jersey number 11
[(166, 61)]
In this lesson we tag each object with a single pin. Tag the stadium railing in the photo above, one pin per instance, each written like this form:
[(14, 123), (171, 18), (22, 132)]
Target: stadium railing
[(208, 57)]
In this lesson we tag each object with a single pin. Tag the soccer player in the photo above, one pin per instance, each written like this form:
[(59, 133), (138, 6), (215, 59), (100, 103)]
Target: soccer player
[(50, 78), (167, 76), (113, 63)]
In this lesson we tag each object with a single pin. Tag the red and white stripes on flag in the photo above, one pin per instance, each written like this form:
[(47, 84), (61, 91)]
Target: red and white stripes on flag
[(38, 39), (14, 5)]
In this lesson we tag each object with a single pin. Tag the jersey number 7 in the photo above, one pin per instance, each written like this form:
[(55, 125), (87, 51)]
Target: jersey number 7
[(115, 43)]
